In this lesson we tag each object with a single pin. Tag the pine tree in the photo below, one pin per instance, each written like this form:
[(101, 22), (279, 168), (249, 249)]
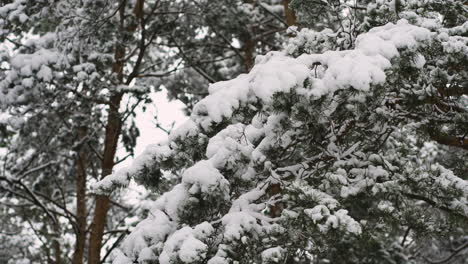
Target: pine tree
[(330, 151), (218, 40), (71, 76)]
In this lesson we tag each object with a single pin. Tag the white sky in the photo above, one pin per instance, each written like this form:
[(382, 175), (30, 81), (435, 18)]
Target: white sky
[(166, 113)]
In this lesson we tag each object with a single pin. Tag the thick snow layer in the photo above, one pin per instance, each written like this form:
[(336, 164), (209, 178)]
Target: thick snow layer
[(146, 255), (171, 201), (121, 258), (203, 177), (365, 65), (188, 128), (184, 245), (276, 72), (223, 147), (28, 70), (145, 233), (152, 154), (192, 250), (14, 9), (35, 60), (272, 254), (238, 223)]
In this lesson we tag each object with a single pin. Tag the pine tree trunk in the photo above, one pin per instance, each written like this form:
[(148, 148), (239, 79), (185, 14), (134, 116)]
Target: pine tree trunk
[(113, 128), (97, 229), (80, 201), (249, 49), (102, 202), (289, 14), (248, 46)]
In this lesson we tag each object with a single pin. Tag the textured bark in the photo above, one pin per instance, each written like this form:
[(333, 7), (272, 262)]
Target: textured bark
[(138, 9), (102, 202), (81, 210), (114, 126), (275, 209), (289, 14), (97, 229), (112, 133), (249, 49), (248, 46)]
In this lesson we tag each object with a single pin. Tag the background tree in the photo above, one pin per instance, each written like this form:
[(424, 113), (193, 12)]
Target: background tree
[(218, 40), (72, 75)]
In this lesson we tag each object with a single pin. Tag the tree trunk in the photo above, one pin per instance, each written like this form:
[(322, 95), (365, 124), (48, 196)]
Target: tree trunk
[(289, 14), (97, 229), (102, 202), (249, 49), (113, 128), (248, 45), (80, 200)]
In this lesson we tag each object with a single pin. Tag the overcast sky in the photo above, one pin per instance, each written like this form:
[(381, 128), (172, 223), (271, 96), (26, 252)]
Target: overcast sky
[(166, 112)]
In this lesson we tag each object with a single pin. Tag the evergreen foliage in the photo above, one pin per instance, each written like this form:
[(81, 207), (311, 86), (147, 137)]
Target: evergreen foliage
[(72, 74), (349, 146)]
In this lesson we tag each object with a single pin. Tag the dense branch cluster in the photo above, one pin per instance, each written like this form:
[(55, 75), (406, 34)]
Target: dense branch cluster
[(320, 131), (72, 76), (328, 157)]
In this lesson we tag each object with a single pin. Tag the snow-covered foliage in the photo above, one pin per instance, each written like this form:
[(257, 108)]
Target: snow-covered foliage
[(318, 155), (229, 34), (72, 75)]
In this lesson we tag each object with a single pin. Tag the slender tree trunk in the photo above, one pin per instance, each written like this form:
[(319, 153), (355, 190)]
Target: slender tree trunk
[(289, 14), (102, 202), (97, 229), (81, 210), (113, 128)]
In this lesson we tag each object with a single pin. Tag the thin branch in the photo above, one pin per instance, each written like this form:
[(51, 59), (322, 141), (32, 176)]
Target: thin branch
[(405, 236), (441, 138), (228, 42), (142, 48), (274, 15), (273, 31), (37, 201), (23, 175), (454, 253), (434, 204), (123, 159), (197, 69), (116, 243)]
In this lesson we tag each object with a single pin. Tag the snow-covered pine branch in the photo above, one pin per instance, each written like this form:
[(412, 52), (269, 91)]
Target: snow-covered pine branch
[(313, 158)]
